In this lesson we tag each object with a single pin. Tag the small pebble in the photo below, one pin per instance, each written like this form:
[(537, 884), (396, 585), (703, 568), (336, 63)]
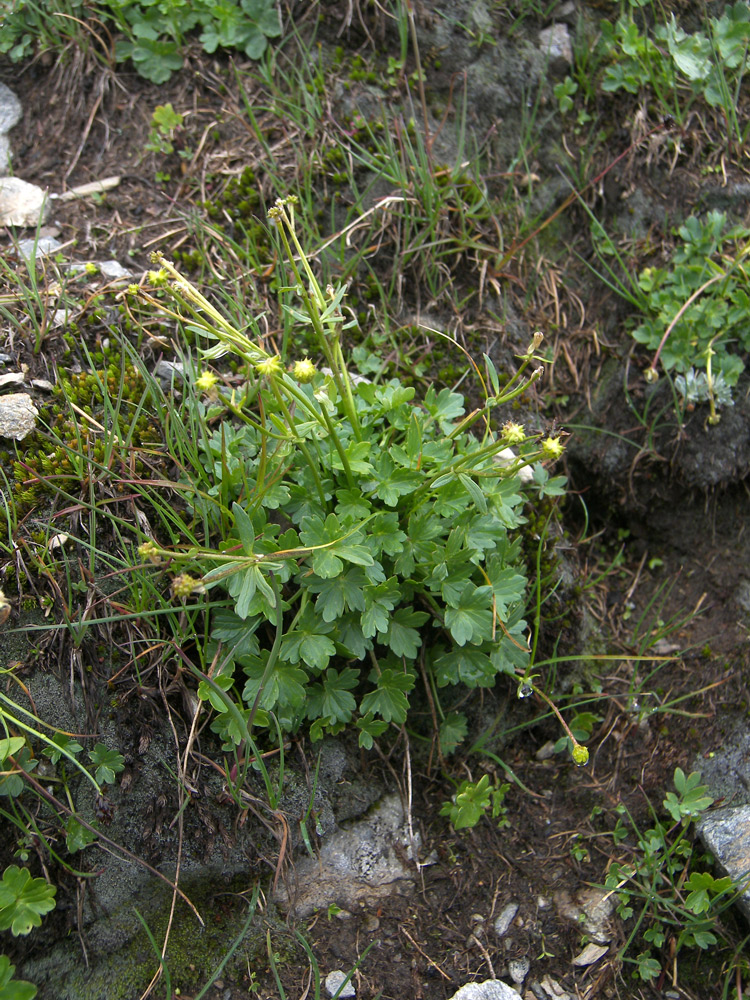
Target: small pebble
[(334, 981), (518, 969), (505, 919), (546, 751)]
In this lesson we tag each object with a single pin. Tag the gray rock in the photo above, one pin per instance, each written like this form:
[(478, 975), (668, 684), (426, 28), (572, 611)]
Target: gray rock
[(506, 918), (17, 415), (5, 154), (42, 247), (21, 203), (356, 866), (726, 770), (726, 834), (490, 989), (10, 113), (334, 982), (10, 108), (169, 372), (555, 43)]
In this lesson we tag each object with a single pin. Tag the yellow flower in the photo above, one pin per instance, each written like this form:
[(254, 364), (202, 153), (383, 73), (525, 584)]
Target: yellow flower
[(304, 370), (206, 381), (552, 448)]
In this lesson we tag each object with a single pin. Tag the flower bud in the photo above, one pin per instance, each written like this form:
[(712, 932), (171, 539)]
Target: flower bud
[(184, 585), (535, 342)]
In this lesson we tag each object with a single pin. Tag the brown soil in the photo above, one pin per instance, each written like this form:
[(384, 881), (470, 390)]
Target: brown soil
[(84, 122)]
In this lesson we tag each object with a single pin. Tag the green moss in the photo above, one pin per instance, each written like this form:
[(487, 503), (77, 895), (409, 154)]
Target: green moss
[(192, 957)]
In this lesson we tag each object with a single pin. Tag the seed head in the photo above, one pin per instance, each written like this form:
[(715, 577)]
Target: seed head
[(184, 585), (513, 433), (580, 755), (269, 366), (158, 278), (150, 551), (304, 371), (552, 448)]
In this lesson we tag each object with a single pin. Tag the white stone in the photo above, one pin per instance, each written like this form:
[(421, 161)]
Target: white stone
[(334, 982), (21, 203), (490, 989), (518, 969), (507, 457), (591, 909), (113, 269), (12, 378), (590, 954), (17, 415)]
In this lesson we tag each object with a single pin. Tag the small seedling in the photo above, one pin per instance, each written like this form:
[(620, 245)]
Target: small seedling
[(165, 122)]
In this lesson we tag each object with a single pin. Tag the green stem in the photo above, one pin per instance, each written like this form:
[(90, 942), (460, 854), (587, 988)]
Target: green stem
[(313, 304), (300, 443)]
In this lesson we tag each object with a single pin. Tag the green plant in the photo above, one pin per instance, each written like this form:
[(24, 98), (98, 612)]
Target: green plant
[(155, 31), (29, 26), (679, 67), (13, 989), (474, 799), (24, 900), (564, 92), (652, 885), (165, 121), (697, 310), (352, 524)]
